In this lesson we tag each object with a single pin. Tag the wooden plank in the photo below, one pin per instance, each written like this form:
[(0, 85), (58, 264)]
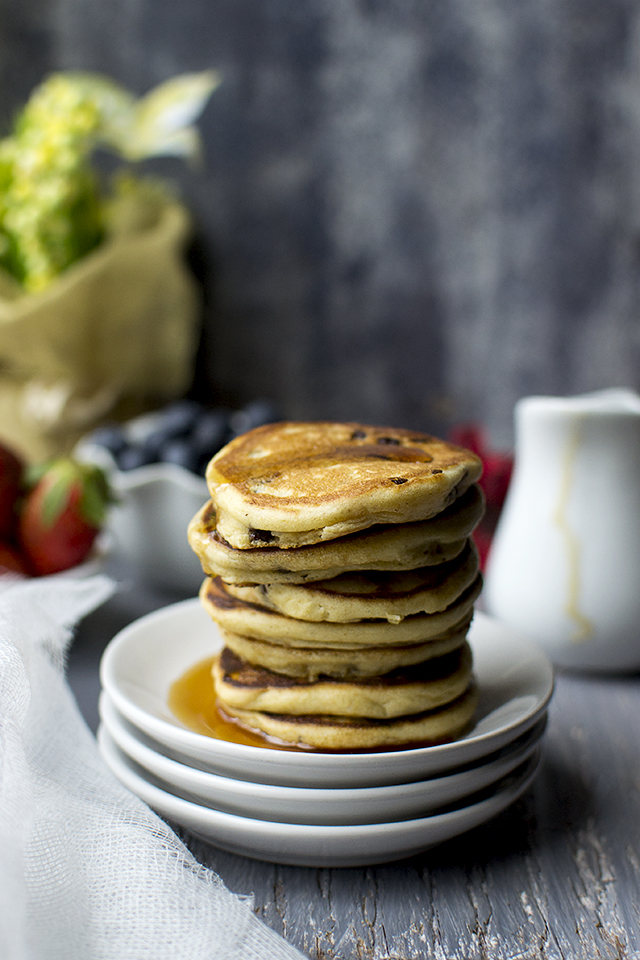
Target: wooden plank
[(556, 877)]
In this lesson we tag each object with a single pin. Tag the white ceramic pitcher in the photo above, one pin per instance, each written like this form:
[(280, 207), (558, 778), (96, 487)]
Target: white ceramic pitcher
[(564, 567)]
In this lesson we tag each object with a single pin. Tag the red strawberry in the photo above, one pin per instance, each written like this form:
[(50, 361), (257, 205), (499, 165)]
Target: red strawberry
[(482, 537), (470, 436), (496, 475), (62, 514), (11, 561), (10, 479)]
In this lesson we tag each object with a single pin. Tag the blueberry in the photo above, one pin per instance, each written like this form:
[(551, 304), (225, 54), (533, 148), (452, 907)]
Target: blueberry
[(111, 437), (153, 445), (186, 433), (180, 451), (201, 467), (252, 415), (210, 432), (133, 457), (178, 418)]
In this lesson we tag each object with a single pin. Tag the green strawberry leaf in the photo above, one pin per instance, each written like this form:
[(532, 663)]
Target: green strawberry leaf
[(55, 498), (95, 497), (34, 473), (60, 477)]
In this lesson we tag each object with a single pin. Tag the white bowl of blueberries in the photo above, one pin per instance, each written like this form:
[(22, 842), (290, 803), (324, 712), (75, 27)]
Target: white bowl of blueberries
[(156, 466)]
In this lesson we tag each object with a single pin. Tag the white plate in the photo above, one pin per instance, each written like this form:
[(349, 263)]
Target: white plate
[(310, 805), (317, 846), (139, 665)]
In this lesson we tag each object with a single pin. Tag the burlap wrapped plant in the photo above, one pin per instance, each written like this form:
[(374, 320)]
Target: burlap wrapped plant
[(98, 311)]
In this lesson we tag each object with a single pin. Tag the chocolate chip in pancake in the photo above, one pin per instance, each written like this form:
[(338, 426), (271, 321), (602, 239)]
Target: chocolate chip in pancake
[(380, 595), (401, 692), (309, 663), (252, 620), (404, 546), (295, 483)]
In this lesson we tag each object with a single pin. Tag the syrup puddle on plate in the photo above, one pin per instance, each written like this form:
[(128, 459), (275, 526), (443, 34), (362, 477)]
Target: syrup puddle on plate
[(192, 700)]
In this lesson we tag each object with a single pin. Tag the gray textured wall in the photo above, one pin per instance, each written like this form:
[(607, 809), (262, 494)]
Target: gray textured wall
[(413, 211)]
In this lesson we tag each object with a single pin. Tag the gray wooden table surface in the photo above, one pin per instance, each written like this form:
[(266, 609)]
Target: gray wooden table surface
[(555, 876)]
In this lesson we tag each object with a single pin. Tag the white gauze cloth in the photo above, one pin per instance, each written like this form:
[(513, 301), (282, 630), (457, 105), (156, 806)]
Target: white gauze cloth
[(86, 869)]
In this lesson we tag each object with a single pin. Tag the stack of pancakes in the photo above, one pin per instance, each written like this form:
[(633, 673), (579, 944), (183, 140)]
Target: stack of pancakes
[(342, 576)]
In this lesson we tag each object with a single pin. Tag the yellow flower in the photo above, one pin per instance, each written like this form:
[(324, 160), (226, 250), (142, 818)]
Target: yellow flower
[(50, 211)]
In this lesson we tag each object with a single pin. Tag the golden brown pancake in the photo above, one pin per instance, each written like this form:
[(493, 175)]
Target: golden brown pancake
[(355, 733), (404, 546), (371, 595), (252, 620), (309, 663), (290, 484), (402, 692)]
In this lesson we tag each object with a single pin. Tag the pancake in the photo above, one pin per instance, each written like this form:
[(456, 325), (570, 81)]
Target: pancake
[(404, 546), (369, 595), (252, 620), (309, 663), (290, 484), (355, 733), (423, 687)]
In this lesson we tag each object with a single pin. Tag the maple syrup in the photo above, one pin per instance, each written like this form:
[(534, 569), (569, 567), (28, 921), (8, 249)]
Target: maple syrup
[(192, 700)]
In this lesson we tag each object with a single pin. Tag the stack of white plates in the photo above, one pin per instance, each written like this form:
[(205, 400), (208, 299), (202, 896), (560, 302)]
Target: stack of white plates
[(307, 808)]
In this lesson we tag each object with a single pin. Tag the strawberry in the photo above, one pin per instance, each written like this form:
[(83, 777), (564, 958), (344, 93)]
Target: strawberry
[(496, 475), (62, 514), (11, 561), (10, 479)]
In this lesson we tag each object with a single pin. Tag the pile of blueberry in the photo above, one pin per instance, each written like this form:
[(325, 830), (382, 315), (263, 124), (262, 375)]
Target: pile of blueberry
[(184, 432)]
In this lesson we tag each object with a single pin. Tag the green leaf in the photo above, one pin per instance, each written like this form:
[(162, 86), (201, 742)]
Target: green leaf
[(55, 498), (59, 477), (34, 472), (95, 496)]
